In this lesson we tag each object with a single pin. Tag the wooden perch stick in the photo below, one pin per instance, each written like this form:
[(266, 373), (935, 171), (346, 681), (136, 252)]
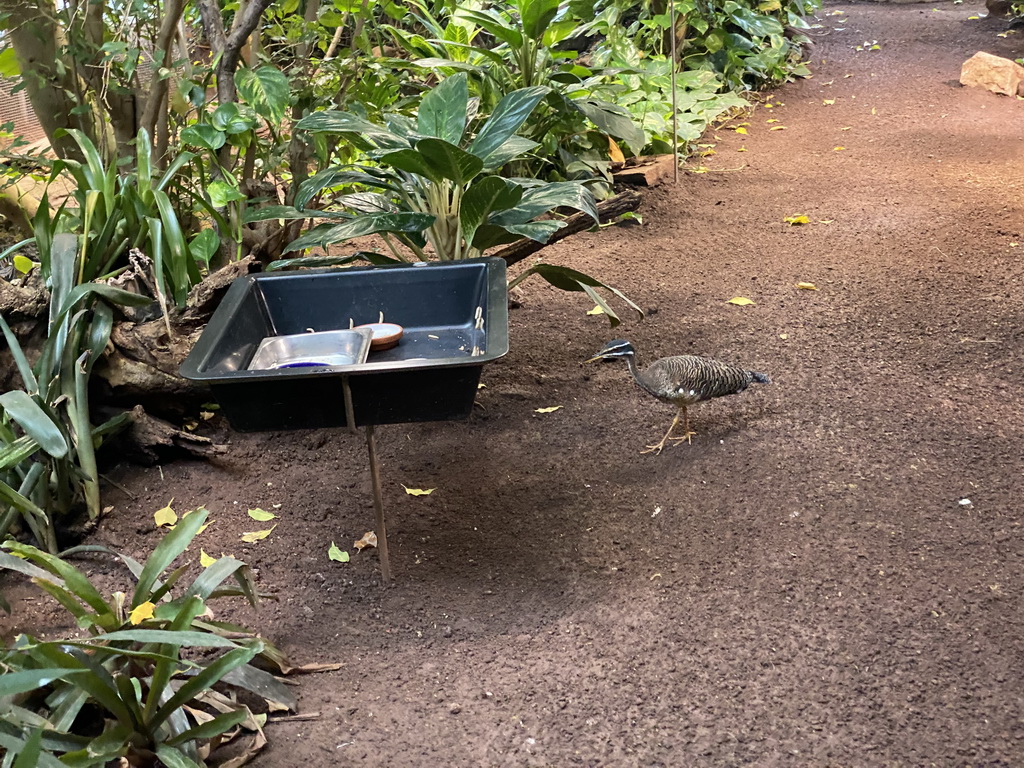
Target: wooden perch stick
[(624, 202)]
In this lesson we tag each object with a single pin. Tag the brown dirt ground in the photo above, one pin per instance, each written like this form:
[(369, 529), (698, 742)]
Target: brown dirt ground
[(803, 585)]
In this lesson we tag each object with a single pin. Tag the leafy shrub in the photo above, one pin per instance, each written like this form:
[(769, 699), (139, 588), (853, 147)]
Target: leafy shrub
[(127, 689)]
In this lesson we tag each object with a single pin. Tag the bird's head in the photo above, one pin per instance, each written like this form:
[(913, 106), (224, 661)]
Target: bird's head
[(613, 350)]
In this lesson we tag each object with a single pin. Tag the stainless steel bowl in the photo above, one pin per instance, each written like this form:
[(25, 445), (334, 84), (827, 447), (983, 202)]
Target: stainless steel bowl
[(329, 349)]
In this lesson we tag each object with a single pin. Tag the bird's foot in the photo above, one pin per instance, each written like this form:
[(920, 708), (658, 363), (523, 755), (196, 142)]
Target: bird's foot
[(657, 447)]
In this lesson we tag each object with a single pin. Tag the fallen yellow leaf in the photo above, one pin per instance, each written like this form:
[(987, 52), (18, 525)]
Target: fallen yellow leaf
[(777, 128), (846, 128), (23, 264), (261, 515), (797, 219), (369, 540), (419, 491), (742, 149), (773, 120), (141, 612), (614, 153), (741, 130), (807, 286), (741, 301), (828, 102), (596, 310), (552, 409), (205, 560), (783, 336), (874, 111), (251, 537), (838, 149), (165, 516)]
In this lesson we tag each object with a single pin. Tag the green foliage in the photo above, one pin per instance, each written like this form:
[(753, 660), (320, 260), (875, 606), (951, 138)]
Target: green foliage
[(435, 181), (47, 443), (94, 699), (114, 212)]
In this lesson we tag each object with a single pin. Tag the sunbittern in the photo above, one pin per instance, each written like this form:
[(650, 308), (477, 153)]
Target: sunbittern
[(682, 380)]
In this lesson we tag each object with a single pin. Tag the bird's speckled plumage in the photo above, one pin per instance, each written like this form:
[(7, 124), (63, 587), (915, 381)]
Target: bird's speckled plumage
[(683, 380)]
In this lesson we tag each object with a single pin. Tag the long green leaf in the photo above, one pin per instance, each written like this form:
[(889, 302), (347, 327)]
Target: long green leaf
[(13, 683), (27, 377), (181, 268), (494, 24), (169, 548), (442, 112), (74, 579), (344, 122), (173, 758), (34, 420), (547, 197), (363, 225), (211, 728), (510, 114), (370, 257), (29, 755), (206, 679)]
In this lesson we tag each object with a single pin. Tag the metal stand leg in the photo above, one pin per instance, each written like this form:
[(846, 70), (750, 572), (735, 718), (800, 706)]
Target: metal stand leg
[(378, 505)]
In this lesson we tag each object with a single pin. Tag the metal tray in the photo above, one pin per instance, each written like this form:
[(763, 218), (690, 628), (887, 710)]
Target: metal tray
[(333, 349)]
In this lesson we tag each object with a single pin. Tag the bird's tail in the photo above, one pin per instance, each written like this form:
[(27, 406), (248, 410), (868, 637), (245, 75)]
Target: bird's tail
[(760, 378)]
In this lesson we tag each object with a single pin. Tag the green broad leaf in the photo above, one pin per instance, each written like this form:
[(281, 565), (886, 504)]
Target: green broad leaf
[(756, 24), (33, 419), (9, 66), (229, 118), (24, 264), (442, 113), (559, 31), (265, 89), (369, 224), (221, 193), (412, 161), (204, 136), (212, 728), (213, 576), (507, 118), (367, 202), (184, 639), (613, 120), (316, 184), (514, 147), (484, 198), (338, 555), (166, 552), (567, 279), (345, 122), (536, 16), (204, 245), (174, 758), (540, 231), (542, 199), (490, 235), (379, 259), (448, 161), (495, 24), (270, 212)]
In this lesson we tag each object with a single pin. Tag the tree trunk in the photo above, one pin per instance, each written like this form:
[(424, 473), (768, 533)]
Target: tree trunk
[(37, 40)]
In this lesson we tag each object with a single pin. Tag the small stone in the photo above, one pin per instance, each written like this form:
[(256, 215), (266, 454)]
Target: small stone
[(454, 709)]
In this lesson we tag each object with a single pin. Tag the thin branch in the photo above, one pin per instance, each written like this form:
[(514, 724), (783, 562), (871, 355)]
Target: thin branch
[(164, 42)]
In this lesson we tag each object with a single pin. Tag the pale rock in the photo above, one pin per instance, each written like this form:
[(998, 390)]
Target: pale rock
[(994, 73)]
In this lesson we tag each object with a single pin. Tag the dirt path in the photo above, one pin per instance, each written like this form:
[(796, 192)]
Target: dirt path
[(804, 584)]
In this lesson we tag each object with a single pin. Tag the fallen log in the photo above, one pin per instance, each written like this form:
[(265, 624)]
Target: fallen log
[(610, 209)]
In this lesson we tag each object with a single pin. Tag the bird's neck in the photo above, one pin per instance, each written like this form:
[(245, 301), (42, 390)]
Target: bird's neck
[(638, 376)]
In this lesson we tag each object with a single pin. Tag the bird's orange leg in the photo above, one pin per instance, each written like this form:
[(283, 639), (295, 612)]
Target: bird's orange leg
[(656, 448)]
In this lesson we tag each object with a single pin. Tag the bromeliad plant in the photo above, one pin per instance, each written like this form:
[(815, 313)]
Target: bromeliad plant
[(47, 442), (126, 689), (435, 183)]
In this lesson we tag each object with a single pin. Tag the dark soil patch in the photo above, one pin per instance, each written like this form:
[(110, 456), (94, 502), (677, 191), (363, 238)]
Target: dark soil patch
[(804, 584)]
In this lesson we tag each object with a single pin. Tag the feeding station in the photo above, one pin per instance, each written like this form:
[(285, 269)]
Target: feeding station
[(306, 350)]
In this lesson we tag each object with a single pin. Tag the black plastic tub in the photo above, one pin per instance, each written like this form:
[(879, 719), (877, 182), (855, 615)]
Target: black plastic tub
[(455, 319)]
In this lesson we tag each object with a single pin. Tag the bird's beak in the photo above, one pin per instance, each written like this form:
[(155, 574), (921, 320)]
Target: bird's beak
[(598, 356)]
